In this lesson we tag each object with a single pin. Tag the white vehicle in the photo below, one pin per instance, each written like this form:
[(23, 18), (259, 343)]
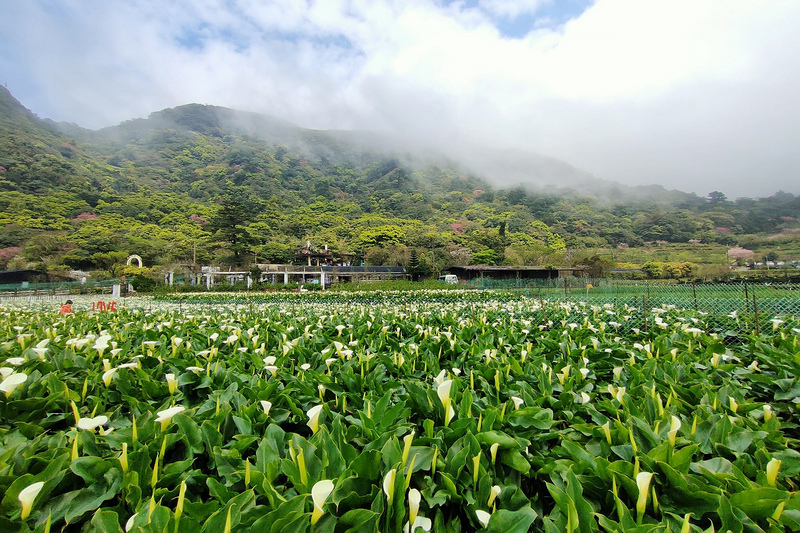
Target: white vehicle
[(451, 279)]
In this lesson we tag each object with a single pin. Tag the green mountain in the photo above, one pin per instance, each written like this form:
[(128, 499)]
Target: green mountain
[(210, 184)]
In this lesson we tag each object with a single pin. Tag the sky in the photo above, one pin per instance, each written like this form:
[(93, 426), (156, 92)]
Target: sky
[(695, 95)]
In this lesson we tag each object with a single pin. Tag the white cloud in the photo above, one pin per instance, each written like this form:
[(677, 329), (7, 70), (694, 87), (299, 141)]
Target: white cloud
[(511, 8), (694, 95)]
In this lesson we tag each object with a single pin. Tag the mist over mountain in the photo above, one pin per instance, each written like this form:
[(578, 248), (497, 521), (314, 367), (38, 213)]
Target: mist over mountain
[(211, 184), (500, 167)]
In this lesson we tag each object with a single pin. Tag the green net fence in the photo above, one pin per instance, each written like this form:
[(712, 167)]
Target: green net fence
[(729, 310), (726, 309), (55, 289)]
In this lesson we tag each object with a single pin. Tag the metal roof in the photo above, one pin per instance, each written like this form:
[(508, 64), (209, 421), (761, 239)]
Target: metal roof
[(505, 268), (364, 269)]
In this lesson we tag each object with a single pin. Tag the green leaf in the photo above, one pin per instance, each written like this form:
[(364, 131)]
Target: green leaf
[(367, 465), (243, 425), (93, 496), (689, 493), (503, 440), (91, 469), (391, 453), (160, 521), (211, 437), (360, 520), (584, 510), (219, 491), (297, 522), (759, 503), (291, 508), (448, 484), (505, 521), (532, 417), (106, 522), (190, 431), (730, 522), (515, 460)]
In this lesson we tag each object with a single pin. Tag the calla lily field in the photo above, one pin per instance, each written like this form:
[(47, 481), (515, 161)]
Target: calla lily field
[(470, 411)]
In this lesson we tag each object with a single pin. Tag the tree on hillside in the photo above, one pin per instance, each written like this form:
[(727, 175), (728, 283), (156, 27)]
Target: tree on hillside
[(417, 267), (716, 197), (236, 210), (485, 257), (597, 267), (381, 236)]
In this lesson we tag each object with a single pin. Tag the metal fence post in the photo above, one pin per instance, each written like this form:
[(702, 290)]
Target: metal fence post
[(544, 311), (755, 312), (746, 299)]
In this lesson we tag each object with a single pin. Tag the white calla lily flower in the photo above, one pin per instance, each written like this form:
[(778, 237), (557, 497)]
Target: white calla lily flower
[(27, 496), (166, 415), (773, 467), (674, 427), (443, 391), (101, 343), (172, 383), (313, 418), (388, 484), (414, 499), (420, 522), (493, 494), (90, 424), (319, 493), (13, 381), (108, 375), (643, 480), (483, 517)]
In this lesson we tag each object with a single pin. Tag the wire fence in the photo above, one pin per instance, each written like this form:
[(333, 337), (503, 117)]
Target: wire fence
[(742, 298), (54, 290), (729, 310)]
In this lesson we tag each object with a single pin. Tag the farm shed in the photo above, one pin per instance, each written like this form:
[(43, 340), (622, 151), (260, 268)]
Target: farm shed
[(10, 277), (514, 272), (353, 274), (324, 275)]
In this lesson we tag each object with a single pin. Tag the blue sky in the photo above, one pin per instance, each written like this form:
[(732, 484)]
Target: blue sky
[(548, 13), (514, 24), (691, 95)]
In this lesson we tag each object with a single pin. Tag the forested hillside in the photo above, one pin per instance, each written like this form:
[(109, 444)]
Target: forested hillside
[(211, 185)]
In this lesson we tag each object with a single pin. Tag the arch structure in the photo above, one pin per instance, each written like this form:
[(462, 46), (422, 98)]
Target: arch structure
[(132, 258)]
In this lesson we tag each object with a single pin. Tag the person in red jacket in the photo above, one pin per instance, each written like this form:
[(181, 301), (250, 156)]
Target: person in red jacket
[(66, 308)]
